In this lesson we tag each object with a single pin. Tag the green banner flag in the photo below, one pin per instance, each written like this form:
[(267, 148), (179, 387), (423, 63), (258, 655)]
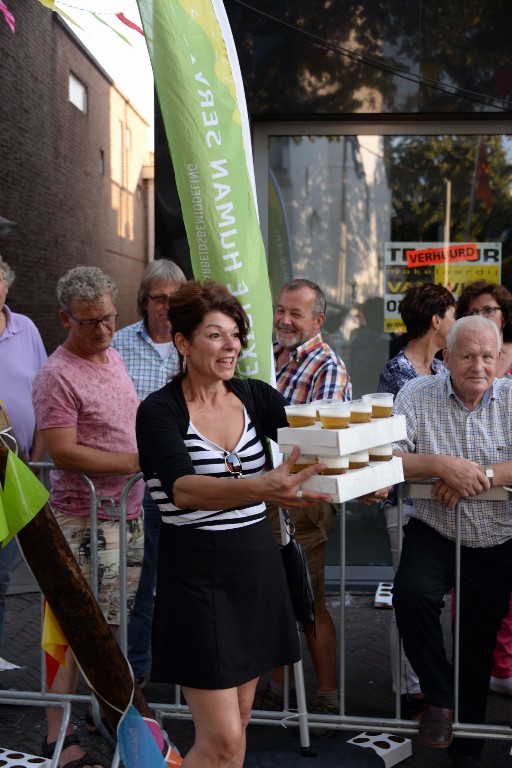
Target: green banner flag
[(21, 498), (202, 101), (279, 241)]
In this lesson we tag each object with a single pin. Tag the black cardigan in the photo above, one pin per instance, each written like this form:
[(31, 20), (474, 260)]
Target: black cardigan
[(163, 419)]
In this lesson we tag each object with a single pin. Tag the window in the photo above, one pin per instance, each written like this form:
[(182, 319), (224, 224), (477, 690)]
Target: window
[(364, 210), (77, 93)]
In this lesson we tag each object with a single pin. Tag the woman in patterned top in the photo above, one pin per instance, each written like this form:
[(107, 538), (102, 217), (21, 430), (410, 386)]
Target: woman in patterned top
[(428, 311), (223, 614), (494, 302)]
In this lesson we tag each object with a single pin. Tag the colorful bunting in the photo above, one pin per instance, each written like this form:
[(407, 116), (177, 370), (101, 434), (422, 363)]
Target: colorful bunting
[(51, 5), (129, 23), (8, 17), (125, 39), (54, 644), (20, 499)]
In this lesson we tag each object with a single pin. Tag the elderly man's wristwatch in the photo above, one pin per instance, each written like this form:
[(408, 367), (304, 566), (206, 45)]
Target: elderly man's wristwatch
[(489, 473)]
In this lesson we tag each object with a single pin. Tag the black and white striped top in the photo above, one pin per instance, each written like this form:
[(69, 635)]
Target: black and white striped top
[(208, 459)]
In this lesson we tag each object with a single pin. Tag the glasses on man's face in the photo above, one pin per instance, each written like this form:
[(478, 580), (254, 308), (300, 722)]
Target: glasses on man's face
[(485, 311), (233, 464), (106, 320), (160, 298)]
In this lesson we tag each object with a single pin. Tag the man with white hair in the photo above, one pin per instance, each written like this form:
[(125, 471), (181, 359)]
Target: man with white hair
[(458, 431)]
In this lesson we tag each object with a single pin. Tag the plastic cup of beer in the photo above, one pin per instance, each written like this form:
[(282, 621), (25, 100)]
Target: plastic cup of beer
[(302, 461), (334, 465), (334, 414), (358, 459), (360, 411), (382, 404), (381, 452), (301, 415)]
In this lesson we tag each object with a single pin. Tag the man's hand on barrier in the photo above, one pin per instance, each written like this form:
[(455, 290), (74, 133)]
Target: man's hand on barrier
[(464, 476), (443, 494)]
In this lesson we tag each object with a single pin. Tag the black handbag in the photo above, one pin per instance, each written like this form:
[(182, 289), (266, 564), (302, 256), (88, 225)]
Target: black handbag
[(294, 558), (299, 579)]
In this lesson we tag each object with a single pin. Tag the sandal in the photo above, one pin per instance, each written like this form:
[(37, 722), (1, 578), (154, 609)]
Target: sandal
[(88, 758), (92, 728)]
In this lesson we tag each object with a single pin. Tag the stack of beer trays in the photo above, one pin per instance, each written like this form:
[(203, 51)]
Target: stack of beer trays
[(354, 441)]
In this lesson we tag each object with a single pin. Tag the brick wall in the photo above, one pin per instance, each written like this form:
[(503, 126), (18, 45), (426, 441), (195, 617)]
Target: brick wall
[(67, 210)]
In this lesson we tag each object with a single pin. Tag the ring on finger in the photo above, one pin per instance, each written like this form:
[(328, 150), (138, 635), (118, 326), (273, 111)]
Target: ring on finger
[(299, 494)]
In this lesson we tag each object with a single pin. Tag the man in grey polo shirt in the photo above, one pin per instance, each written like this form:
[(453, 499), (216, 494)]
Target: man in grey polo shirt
[(458, 430)]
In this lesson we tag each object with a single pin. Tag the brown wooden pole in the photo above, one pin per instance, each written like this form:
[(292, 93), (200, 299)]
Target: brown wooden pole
[(75, 608)]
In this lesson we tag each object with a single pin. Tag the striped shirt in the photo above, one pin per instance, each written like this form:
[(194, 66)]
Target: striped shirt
[(438, 423), (208, 459), (314, 372), (145, 365)]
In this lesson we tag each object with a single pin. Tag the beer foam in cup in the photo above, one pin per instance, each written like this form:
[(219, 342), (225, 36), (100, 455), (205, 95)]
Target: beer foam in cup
[(358, 459), (301, 415), (360, 411), (334, 465), (317, 403), (382, 404), (334, 414), (302, 461), (381, 452)]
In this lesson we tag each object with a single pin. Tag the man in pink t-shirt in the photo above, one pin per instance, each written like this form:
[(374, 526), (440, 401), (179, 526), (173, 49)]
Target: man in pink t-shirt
[(85, 405)]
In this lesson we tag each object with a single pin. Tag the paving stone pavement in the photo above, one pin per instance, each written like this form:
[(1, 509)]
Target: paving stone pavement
[(368, 682)]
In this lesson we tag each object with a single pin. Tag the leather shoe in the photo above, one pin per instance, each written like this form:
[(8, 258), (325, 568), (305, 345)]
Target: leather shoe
[(467, 762), (436, 727)]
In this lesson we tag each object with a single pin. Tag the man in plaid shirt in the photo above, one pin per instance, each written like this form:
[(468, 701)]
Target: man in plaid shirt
[(459, 431), (307, 369)]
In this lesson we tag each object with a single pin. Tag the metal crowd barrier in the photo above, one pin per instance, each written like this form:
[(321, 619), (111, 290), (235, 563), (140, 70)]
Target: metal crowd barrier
[(300, 717), (418, 490), (44, 698)]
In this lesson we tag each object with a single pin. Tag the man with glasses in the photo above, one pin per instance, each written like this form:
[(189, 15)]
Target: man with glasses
[(85, 405), (307, 369), (152, 361)]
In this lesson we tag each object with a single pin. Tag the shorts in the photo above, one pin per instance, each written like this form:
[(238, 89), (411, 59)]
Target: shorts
[(77, 533), (313, 526)]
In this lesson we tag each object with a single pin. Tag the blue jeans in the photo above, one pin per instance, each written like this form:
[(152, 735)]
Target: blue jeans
[(139, 628), (7, 557)]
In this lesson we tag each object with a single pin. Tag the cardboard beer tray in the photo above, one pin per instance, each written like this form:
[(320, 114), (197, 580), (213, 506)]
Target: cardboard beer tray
[(315, 441), (357, 482), (13, 758), (389, 746)]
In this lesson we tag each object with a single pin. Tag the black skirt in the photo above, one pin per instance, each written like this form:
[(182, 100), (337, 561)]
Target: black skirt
[(222, 610)]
